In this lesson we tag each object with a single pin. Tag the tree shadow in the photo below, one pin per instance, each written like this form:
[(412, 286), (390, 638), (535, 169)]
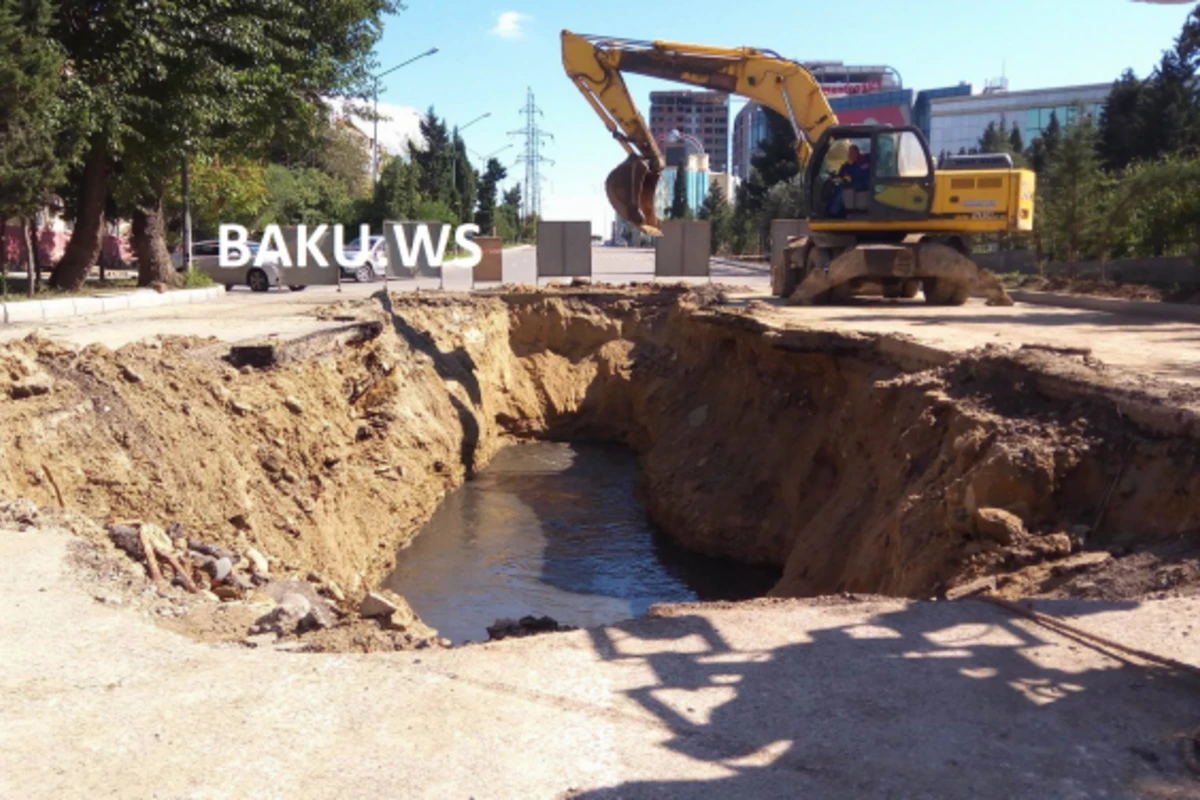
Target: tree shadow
[(933, 700)]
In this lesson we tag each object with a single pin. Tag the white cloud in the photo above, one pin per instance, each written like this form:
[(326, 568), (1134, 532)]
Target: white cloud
[(508, 25)]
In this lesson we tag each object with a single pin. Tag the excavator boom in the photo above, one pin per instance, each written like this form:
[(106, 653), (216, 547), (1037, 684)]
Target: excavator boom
[(596, 63)]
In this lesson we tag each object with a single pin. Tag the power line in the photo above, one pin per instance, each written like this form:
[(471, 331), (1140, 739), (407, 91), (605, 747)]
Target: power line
[(535, 137)]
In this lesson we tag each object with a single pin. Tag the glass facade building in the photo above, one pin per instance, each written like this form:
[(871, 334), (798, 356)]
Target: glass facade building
[(957, 123)]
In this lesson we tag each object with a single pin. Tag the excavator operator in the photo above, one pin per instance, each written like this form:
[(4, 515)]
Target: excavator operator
[(855, 174)]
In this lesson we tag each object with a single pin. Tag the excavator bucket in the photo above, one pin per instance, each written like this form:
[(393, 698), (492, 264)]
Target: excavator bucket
[(631, 192)]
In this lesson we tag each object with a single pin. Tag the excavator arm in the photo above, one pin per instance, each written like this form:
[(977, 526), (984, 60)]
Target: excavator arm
[(596, 63)]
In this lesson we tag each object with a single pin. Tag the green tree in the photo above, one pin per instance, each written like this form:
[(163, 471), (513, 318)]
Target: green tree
[(995, 138), (719, 213), (1070, 200), (223, 191), (508, 216), (1120, 127), (489, 187), (303, 195), (399, 191), (679, 199), (775, 162), (466, 181), (33, 156), (435, 160), (1016, 142), (169, 81), (1169, 113)]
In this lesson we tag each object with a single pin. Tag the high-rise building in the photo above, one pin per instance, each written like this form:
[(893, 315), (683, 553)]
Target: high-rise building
[(703, 115), (857, 93)]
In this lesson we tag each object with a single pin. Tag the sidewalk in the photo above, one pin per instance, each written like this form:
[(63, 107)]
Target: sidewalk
[(25, 311)]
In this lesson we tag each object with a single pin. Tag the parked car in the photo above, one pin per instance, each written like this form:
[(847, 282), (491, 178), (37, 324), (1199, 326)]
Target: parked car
[(206, 259), (376, 265)]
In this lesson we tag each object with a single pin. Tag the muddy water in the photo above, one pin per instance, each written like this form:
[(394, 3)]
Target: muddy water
[(554, 529)]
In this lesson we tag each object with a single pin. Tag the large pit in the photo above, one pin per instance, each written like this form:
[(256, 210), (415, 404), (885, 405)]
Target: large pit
[(843, 463)]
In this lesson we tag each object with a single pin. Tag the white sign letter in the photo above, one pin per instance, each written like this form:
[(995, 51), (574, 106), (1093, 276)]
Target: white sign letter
[(273, 248), (233, 240), (311, 244), (463, 240)]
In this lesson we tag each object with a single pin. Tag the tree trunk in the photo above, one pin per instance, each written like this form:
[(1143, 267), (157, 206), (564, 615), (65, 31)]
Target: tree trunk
[(88, 237), (150, 244), (30, 256)]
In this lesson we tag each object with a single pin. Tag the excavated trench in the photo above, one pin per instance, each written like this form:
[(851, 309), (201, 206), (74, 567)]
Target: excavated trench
[(845, 462)]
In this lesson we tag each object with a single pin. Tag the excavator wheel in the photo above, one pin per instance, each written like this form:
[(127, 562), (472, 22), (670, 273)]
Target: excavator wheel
[(945, 292)]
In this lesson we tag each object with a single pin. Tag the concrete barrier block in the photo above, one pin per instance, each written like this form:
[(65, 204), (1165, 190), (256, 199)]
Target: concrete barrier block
[(118, 302), (62, 308), (145, 298), (24, 311), (88, 305)]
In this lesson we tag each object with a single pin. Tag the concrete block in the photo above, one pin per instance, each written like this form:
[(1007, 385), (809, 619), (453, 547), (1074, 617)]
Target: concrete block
[(24, 311), (88, 305), (145, 298), (119, 302), (60, 308)]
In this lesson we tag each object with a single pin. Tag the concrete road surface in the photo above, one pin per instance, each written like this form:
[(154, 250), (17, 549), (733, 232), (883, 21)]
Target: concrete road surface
[(817, 699)]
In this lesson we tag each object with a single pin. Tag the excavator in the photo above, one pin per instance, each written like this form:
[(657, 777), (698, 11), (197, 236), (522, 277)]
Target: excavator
[(899, 228)]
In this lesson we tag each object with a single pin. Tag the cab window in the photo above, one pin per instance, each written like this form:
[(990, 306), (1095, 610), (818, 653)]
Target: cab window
[(900, 155)]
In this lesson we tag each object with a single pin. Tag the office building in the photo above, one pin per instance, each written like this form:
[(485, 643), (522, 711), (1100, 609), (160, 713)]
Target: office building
[(957, 123), (703, 115)]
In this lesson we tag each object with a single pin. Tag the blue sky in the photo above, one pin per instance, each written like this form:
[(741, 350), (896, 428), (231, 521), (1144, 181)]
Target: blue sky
[(491, 50)]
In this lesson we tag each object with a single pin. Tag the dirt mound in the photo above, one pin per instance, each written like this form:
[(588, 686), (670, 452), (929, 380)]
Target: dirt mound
[(833, 456)]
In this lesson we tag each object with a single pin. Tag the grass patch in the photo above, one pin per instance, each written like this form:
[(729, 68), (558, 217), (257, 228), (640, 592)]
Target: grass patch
[(14, 290), (197, 280)]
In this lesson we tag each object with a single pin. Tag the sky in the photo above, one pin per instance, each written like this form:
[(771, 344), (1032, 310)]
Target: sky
[(491, 51)]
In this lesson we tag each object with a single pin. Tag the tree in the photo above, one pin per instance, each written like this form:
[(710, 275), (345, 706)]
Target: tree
[(466, 181), (775, 161), (399, 191), (508, 216), (679, 200), (1071, 196), (435, 160), (33, 157), (1120, 128), (995, 138), (223, 191), (1168, 109), (489, 186), (1016, 143), (169, 81), (717, 211)]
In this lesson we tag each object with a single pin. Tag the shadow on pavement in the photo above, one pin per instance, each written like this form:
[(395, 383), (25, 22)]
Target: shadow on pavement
[(935, 700)]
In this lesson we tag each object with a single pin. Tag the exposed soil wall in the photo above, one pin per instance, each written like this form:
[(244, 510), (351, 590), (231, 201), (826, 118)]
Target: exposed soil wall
[(834, 456)]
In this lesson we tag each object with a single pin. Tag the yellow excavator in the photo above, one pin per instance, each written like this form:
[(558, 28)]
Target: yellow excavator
[(893, 226)]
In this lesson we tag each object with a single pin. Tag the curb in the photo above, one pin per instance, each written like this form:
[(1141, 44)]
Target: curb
[(67, 307), (1176, 312)]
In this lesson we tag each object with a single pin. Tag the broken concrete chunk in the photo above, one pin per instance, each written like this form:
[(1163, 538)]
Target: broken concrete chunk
[(258, 562), (999, 525), (293, 405), (219, 569), (381, 604), (128, 374)]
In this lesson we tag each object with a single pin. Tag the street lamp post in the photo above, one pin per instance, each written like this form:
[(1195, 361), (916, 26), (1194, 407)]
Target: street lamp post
[(375, 133)]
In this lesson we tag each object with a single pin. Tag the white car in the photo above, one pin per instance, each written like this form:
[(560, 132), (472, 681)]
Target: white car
[(206, 259), (377, 260)]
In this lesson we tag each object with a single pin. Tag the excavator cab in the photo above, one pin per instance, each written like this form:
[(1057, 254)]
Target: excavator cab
[(897, 182)]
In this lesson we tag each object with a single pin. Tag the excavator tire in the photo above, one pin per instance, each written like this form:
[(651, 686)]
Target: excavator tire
[(945, 292), (784, 279)]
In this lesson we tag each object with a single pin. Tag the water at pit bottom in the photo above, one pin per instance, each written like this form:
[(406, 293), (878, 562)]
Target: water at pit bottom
[(554, 529)]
